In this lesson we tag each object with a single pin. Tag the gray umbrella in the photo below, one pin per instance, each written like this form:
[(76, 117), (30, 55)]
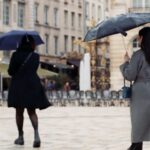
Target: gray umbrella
[(118, 24)]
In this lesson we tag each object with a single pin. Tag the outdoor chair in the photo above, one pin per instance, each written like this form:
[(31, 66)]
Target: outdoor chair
[(1, 99), (114, 98), (99, 98), (82, 98), (49, 95), (106, 98), (78, 97), (120, 98), (65, 98), (59, 98), (54, 97), (72, 96), (123, 101), (88, 96), (5, 95), (93, 98)]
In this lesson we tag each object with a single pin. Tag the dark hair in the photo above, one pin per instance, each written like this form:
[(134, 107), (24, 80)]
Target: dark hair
[(26, 43), (145, 44)]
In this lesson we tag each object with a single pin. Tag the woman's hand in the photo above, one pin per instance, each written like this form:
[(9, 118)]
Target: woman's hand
[(126, 57)]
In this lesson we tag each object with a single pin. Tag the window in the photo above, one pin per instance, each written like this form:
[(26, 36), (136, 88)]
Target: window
[(73, 19), (36, 5), (46, 14), (135, 44), (87, 10), (147, 3), (79, 47), (56, 44), (137, 3), (65, 43), (55, 17), (46, 43), (66, 18), (99, 13), (141, 3), (79, 21), (72, 42), (6, 12), (93, 10), (21, 11)]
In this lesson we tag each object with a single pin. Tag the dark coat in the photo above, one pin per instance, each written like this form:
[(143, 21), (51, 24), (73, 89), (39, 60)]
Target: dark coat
[(25, 89)]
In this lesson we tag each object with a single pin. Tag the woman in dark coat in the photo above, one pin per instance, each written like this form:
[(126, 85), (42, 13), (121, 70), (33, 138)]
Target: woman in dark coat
[(25, 89), (138, 70)]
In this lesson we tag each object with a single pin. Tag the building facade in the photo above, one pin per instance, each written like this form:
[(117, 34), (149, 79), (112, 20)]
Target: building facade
[(13, 15), (94, 11), (59, 22)]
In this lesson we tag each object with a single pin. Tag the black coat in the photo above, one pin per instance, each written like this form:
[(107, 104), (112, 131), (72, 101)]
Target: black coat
[(25, 89)]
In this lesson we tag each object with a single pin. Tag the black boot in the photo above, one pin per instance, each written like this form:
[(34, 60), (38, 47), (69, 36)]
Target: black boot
[(37, 141), (20, 139), (136, 146)]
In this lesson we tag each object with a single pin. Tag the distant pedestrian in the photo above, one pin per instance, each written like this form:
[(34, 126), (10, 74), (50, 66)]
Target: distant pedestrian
[(137, 69), (67, 87), (26, 90)]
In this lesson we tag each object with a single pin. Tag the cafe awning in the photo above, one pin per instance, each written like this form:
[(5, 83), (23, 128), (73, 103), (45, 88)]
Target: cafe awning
[(73, 62), (41, 72), (56, 67)]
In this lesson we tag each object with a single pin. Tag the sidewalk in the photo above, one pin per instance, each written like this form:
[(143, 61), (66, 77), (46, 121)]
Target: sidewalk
[(71, 128)]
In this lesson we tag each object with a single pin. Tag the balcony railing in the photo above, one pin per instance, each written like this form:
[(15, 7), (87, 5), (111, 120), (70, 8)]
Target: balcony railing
[(139, 10)]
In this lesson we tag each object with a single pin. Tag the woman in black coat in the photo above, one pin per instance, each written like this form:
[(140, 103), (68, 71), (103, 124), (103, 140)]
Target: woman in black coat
[(26, 90)]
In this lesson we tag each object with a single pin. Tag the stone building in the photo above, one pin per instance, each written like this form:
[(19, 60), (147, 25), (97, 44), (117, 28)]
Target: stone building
[(60, 23), (94, 12), (13, 15)]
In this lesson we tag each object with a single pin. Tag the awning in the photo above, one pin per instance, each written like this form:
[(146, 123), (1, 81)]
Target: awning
[(74, 62), (56, 67), (3, 69), (41, 72)]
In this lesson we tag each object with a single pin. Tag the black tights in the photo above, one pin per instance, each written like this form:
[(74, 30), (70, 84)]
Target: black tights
[(20, 119)]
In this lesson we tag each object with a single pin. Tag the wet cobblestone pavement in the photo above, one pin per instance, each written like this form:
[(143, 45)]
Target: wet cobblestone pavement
[(71, 128)]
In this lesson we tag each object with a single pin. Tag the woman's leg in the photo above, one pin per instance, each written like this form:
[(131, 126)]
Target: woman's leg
[(136, 146), (19, 122), (34, 120)]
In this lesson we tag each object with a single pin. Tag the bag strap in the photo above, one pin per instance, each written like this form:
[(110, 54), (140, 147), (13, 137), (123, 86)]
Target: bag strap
[(25, 61)]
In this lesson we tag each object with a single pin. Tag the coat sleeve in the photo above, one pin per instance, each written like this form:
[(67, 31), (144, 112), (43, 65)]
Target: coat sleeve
[(130, 69), (12, 66), (37, 61)]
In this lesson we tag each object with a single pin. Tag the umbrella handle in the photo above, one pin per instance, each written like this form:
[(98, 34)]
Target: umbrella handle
[(124, 44)]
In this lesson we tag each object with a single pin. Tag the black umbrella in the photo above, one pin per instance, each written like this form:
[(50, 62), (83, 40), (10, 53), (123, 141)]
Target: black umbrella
[(118, 24), (10, 40)]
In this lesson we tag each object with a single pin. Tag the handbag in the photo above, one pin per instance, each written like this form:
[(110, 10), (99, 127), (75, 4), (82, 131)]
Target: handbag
[(127, 90)]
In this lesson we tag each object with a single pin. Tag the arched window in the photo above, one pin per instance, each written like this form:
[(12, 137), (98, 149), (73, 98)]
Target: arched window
[(135, 44)]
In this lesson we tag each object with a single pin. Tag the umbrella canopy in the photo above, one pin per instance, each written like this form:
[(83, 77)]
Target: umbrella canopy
[(12, 39), (118, 24)]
